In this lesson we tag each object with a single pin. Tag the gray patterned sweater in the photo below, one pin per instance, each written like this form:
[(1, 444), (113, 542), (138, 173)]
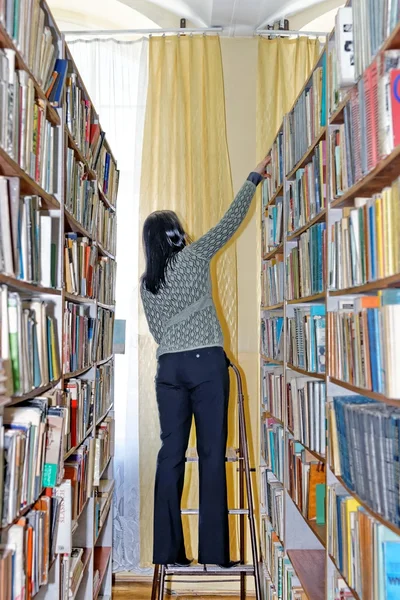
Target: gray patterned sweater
[(182, 315)]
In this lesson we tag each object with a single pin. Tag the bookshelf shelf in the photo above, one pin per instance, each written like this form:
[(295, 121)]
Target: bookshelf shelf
[(25, 286), (109, 409), (101, 559), (34, 393), (393, 41), (104, 469), (76, 226), (272, 361), (306, 373), (78, 299), (307, 155), (273, 307), (316, 455), (105, 199), (317, 219), (364, 392), (355, 595), (277, 194), (78, 373), (274, 252), (310, 569), (375, 515), (372, 286), (110, 307), (10, 168), (104, 252), (75, 448), (314, 298), (337, 117), (7, 42), (104, 360), (381, 176), (318, 530), (79, 155), (106, 512), (268, 415)]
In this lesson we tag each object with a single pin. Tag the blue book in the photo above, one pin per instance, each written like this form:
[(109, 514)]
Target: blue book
[(272, 450), (379, 353), (60, 68), (388, 545), (389, 297)]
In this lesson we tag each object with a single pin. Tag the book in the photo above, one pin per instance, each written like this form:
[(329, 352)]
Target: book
[(306, 338), (103, 389), (306, 412), (305, 264), (272, 281), (79, 346), (275, 170), (272, 391), (272, 337), (272, 229), (81, 198), (305, 474), (80, 265)]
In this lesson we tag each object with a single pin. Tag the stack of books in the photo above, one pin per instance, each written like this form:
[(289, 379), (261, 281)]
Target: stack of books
[(305, 264), (306, 412), (80, 265), (80, 330), (272, 337), (81, 198), (306, 339), (273, 446), (272, 391), (272, 281)]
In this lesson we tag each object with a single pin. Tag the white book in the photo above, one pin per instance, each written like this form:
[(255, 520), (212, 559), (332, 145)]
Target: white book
[(5, 228), (16, 540), (345, 47), (64, 533), (45, 249)]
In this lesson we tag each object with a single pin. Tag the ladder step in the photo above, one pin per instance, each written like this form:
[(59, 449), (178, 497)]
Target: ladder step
[(231, 455), (205, 570), (231, 511)]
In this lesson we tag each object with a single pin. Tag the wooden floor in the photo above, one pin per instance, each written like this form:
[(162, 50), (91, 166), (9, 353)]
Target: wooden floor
[(142, 591)]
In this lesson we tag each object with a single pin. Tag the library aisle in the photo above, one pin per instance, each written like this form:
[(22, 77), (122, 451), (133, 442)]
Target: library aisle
[(324, 418)]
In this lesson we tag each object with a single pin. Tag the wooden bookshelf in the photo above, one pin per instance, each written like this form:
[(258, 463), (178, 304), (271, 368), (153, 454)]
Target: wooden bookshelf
[(273, 307), (310, 569), (54, 335), (365, 392), (314, 298), (274, 252), (317, 219), (308, 154), (277, 194), (306, 373)]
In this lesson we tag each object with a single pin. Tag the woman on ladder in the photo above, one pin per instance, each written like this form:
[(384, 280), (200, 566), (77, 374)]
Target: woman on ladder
[(192, 375)]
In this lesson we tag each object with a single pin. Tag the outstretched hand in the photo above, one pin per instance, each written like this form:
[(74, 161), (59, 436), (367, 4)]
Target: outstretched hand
[(261, 167)]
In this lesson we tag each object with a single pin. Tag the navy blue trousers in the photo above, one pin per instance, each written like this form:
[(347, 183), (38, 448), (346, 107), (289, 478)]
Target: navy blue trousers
[(192, 383)]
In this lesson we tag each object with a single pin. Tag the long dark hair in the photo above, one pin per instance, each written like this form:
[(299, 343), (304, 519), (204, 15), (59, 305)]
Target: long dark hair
[(163, 238)]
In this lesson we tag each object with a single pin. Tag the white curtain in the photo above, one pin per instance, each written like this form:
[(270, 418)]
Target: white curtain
[(115, 74)]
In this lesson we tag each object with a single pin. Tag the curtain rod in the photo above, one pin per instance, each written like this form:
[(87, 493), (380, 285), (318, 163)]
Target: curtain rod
[(143, 31), (286, 32)]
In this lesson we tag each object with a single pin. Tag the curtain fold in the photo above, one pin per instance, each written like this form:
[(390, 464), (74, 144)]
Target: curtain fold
[(186, 169), (115, 74)]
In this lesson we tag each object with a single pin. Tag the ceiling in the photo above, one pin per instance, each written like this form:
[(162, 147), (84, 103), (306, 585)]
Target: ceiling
[(240, 17)]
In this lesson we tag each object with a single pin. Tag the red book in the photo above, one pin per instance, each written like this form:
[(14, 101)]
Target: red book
[(395, 101)]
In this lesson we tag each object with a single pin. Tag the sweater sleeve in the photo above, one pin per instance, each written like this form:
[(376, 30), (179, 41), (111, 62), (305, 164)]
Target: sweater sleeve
[(154, 319), (210, 243)]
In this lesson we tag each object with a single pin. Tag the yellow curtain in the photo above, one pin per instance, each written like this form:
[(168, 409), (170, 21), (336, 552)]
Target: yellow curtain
[(283, 67), (185, 168)]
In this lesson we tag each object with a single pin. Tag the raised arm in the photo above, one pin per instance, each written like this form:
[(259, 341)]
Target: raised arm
[(210, 243)]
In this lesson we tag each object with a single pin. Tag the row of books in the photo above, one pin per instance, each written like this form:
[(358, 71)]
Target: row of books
[(370, 130), (104, 448), (273, 446), (306, 412), (306, 195), (272, 335), (79, 398), (272, 227), (104, 386), (28, 236), (107, 174), (28, 550), (306, 338), (373, 22), (274, 170), (33, 436), (81, 194), (25, 134), (104, 339), (28, 26), (272, 499), (107, 228), (365, 551), (79, 265), (29, 341), (365, 451), (79, 468), (80, 337), (305, 264), (272, 281), (272, 391), (102, 502), (307, 482), (363, 246), (106, 273), (364, 342), (305, 122), (81, 120)]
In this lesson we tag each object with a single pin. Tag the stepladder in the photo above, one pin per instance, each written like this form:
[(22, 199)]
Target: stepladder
[(164, 575)]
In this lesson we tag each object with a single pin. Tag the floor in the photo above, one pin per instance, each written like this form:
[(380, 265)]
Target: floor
[(142, 591)]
